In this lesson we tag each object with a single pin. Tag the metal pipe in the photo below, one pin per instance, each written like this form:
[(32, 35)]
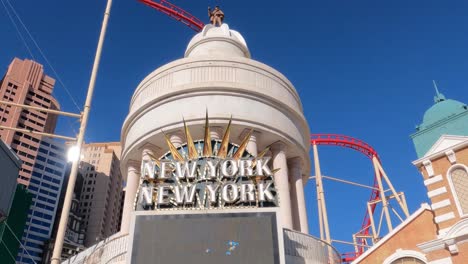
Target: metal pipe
[(389, 183), (42, 109), (348, 182), (56, 256), (378, 176), (321, 195), (23, 130), (350, 243)]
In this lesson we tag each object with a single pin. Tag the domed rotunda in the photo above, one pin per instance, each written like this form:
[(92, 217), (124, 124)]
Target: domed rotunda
[(218, 77)]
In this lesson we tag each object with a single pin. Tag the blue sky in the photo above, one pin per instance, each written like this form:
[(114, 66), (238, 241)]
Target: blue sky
[(363, 68)]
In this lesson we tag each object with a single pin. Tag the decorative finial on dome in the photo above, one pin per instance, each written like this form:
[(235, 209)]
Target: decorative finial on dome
[(439, 97), (216, 16)]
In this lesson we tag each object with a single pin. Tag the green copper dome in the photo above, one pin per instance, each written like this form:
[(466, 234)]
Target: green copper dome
[(443, 109), (445, 117)]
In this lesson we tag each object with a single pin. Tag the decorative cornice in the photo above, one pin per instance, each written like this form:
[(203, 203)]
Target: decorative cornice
[(428, 166), (451, 156), (441, 153)]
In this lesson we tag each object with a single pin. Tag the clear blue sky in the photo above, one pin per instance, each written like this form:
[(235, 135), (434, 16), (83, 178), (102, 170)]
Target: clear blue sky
[(363, 68)]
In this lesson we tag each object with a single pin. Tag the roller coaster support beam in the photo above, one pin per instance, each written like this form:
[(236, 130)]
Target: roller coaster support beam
[(323, 216), (400, 201), (382, 194)]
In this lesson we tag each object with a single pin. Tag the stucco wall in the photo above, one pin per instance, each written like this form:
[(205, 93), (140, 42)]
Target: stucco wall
[(419, 230)]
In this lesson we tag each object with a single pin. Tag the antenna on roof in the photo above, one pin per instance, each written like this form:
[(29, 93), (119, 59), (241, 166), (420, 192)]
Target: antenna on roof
[(435, 86), (439, 97)]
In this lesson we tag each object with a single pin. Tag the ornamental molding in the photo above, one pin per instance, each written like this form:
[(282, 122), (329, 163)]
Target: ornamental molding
[(400, 253), (457, 234)]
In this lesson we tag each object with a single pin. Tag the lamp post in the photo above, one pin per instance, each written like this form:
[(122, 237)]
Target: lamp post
[(56, 256)]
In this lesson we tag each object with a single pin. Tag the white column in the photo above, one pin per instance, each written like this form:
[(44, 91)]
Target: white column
[(297, 195), (147, 153), (282, 183), (176, 138), (133, 179), (252, 145), (216, 132)]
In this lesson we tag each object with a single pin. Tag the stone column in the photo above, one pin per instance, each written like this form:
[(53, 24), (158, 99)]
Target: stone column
[(252, 145), (297, 195), (282, 183), (133, 179), (216, 132), (176, 138)]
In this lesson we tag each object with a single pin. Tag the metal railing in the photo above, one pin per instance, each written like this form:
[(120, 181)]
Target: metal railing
[(110, 250)]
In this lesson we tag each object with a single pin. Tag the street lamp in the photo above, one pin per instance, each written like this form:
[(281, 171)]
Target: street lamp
[(56, 256)]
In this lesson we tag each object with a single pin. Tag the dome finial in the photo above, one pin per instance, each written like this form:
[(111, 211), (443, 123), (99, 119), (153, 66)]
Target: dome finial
[(439, 97)]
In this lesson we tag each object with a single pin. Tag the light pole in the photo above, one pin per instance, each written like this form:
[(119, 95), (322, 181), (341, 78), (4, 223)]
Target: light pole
[(56, 256)]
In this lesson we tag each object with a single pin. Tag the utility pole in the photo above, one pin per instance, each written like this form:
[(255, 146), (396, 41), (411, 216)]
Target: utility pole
[(56, 256)]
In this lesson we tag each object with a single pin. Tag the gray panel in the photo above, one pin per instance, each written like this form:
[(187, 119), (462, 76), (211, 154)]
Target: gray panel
[(248, 238), (9, 168)]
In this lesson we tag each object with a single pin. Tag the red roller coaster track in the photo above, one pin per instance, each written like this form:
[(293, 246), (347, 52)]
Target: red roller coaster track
[(176, 13), (368, 151)]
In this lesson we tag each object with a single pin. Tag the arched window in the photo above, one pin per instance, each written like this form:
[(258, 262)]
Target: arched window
[(459, 183), (408, 260)]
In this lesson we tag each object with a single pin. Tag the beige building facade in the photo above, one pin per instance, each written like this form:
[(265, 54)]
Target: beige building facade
[(437, 233), (101, 193)]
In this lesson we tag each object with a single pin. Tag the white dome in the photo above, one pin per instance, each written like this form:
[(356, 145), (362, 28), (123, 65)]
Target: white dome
[(217, 75), (217, 42)]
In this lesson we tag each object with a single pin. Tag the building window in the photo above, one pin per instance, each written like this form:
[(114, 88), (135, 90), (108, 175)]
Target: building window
[(408, 260), (459, 183)]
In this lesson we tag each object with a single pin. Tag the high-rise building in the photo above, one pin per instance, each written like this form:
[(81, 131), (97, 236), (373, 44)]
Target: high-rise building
[(101, 194), (45, 186), (25, 83)]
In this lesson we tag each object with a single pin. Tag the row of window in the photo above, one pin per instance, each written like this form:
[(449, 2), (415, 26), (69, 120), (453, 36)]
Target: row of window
[(38, 183), (39, 96), (42, 215), (34, 115), (23, 144), (41, 223), (53, 146), (43, 206), (45, 177), (39, 230)]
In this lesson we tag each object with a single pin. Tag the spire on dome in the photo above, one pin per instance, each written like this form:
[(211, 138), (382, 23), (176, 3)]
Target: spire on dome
[(439, 97)]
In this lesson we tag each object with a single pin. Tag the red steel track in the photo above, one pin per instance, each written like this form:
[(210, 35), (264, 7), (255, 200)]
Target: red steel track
[(176, 13), (368, 151)]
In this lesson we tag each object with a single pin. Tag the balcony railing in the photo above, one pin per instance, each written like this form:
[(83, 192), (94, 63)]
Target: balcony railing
[(299, 248)]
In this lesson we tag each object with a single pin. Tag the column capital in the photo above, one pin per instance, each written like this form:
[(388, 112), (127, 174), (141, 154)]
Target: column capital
[(133, 165), (216, 132), (295, 161), (253, 137), (176, 137), (149, 146), (176, 133), (278, 146)]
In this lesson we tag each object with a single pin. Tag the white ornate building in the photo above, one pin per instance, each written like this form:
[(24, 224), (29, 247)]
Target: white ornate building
[(218, 78)]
